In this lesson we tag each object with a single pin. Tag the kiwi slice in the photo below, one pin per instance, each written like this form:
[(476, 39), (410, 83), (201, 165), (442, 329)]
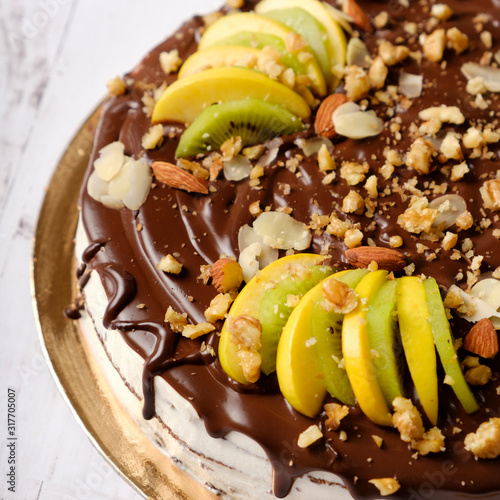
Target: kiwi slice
[(254, 120)]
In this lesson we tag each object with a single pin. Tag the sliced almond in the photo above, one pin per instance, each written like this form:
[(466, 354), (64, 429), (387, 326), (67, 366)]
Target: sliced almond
[(323, 124), (175, 177), (482, 339), (386, 258)]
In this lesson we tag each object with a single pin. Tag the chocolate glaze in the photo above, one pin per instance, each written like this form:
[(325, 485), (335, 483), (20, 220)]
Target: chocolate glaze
[(200, 228)]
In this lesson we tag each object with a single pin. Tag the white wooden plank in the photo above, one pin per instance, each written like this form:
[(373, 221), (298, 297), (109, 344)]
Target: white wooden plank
[(52, 79)]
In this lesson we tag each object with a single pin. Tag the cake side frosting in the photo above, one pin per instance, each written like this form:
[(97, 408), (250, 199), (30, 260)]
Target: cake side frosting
[(127, 245)]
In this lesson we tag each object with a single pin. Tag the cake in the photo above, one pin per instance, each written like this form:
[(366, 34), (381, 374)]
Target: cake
[(248, 160)]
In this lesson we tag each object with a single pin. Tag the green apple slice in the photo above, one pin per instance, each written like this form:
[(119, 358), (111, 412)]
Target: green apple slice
[(418, 342), (335, 41), (311, 30), (381, 330), (357, 354), (250, 29), (276, 306), (219, 56), (248, 303), (185, 99), (444, 344), (327, 330)]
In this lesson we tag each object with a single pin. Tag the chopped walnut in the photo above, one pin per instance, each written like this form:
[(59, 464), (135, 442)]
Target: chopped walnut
[(431, 442), (354, 172), (153, 138), (194, 331), (377, 73), (337, 227), (170, 61), (457, 40), (177, 321), (325, 159), (441, 11), (464, 221), (231, 147), (353, 238), (490, 192), (357, 83), (478, 375), (169, 264), (335, 413), (339, 297), (117, 86), (420, 156), (386, 485), (246, 333), (473, 138), (219, 306), (407, 420), (434, 45), (445, 114), (450, 147), (395, 241), (353, 203), (371, 187), (485, 442), (449, 240), (392, 54), (309, 436), (476, 86)]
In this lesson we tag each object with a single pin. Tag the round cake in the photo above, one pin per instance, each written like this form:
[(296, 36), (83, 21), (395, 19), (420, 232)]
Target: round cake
[(287, 248)]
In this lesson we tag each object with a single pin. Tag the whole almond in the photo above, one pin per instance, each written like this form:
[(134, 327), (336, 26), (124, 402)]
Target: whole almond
[(175, 177), (386, 258), (359, 18), (323, 124), (226, 275), (482, 339)]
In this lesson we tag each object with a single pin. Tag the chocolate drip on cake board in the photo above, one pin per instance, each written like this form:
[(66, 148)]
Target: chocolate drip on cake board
[(201, 228)]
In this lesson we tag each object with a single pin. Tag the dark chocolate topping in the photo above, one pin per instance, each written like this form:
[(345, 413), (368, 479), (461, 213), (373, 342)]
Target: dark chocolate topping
[(201, 228)]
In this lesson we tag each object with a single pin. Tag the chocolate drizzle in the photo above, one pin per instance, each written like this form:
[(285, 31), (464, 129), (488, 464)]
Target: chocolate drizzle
[(199, 229)]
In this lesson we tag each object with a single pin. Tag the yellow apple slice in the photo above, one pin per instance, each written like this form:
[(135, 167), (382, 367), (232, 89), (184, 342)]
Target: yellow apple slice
[(248, 303), (219, 56), (418, 342), (300, 374), (185, 99), (357, 354), (248, 28), (335, 43)]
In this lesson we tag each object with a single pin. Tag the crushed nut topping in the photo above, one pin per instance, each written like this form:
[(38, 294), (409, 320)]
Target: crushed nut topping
[(485, 442), (339, 297)]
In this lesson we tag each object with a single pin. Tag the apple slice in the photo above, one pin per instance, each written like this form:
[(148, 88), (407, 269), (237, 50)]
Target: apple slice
[(248, 303), (418, 342), (185, 99), (326, 328), (335, 42), (250, 29), (357, 354), (444, 344), (276, 306), (311, 30), (219, 56), (381, 330)]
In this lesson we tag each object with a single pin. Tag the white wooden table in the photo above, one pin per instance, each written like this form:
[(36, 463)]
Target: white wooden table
[(55, 59)]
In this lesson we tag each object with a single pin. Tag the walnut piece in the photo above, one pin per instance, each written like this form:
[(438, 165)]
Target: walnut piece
[(485, 442), (339, 297), (194, 331), (169, 264), (420, 156), (177, 321), (490, 192), (219, 306), (357, 83), (434, 45), (386, 485), (309, 436), (407, 420), (335, 413), (431, 442)]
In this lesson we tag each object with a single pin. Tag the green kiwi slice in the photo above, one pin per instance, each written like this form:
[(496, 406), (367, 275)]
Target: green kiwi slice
[(254, 120)]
